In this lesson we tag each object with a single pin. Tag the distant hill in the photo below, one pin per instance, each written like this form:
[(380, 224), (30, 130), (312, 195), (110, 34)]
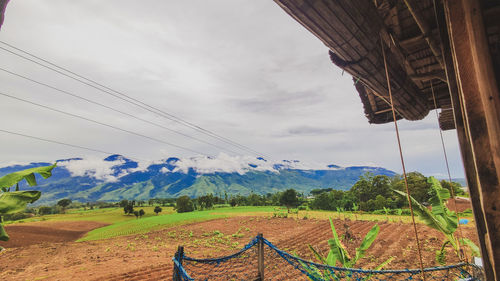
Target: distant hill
[(116, 177)]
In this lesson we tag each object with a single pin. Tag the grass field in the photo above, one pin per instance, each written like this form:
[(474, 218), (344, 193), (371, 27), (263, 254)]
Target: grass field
[(121, 224)]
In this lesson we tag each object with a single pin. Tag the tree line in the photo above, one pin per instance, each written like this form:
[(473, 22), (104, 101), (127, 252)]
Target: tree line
[(375, 192)]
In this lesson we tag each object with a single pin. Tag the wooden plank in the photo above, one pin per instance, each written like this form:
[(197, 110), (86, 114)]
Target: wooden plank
[(480, 101)]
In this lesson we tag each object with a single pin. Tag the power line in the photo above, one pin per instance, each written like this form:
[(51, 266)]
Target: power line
[(113, 109), (64, 143), (101, 123), (129, 99)]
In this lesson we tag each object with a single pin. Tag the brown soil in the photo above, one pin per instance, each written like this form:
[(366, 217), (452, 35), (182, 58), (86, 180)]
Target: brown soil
[(149, 257), (462, 204), (47, 232)]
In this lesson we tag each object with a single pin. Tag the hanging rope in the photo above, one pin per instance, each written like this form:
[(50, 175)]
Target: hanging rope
[(461, 254), (402, 160)]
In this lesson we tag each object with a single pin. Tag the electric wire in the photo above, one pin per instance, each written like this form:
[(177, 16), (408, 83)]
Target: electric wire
[(129, 99), (64, 143), (102, 123), (113, 109)]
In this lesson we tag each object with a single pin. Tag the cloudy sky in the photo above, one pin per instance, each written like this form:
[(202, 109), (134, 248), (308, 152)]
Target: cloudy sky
[(243, 69)]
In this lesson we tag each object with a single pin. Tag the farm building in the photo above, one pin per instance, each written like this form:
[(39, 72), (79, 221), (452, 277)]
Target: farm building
[(438, 54)]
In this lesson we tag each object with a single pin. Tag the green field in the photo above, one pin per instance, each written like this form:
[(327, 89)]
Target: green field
[(120, 224)]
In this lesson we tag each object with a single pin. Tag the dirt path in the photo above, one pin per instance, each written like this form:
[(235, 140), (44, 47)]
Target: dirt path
[(149, 257)]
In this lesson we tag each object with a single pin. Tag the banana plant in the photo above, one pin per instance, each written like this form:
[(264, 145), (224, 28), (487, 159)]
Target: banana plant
[(386, 211), (338, 252), (16, 201), (441, 219)]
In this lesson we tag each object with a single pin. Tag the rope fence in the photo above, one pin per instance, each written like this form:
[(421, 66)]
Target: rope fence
[(261, 260)]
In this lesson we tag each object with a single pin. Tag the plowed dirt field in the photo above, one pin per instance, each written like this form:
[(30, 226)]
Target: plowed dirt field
[(149, 256)]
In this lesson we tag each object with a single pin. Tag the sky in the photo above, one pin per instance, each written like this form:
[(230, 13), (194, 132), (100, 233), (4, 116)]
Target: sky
[(242, 69)]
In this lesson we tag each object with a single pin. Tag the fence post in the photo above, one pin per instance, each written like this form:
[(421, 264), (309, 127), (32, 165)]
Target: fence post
[(178, 256), (260, 252)]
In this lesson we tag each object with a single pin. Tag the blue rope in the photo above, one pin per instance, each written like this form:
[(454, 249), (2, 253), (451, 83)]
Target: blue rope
[(302, 265), (222, 259), (360, 270), (184, 274)]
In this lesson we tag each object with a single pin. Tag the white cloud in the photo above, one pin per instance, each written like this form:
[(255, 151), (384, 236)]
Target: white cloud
[(93, 167), (224, 163)]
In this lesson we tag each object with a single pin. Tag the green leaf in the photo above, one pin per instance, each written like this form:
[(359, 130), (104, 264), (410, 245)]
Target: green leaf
[(439, 209), (472, 246), (28, 174), (3, 234), (441, 254), (337, 249), (317, 254), (16, 201), (366, 243), (382, 265), (424, 214)]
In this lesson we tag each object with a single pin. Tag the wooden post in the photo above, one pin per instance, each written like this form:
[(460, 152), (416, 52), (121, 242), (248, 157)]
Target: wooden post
[(465, 147), (260, 253), (178, 256), (480, 99)]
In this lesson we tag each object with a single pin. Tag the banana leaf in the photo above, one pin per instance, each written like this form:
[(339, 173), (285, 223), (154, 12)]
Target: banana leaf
[(337, 250), (12, 179), (424, 214), (438, 203), (317, 254), (472, 246), (366, 243), (441, 254), (3, 234), (16, 201)]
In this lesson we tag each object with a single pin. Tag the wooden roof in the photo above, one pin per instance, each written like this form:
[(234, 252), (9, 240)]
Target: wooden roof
[(353, 29)]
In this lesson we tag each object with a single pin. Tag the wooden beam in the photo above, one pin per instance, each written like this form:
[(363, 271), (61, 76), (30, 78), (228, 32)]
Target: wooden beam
[(479, 99), (425, 29), (437, 74)]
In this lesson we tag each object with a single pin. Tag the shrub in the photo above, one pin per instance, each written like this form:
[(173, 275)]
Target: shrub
[(157, 210), (16, 216), (184, 204)]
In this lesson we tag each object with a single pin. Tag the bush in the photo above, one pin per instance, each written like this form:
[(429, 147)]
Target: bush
[(16, 216), (184, 204), (45, 210)]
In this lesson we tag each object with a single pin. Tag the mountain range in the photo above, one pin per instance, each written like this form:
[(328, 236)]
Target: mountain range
[(116, 177)]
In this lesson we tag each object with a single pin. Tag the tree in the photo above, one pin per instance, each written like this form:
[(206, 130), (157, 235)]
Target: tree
[(289, 199), (419, 187), (380, 202), (206, 201), (233, 202), (16, 201), (141, 213), (64, 203), (129, 209), (136, 214), (123, 203), (321, 202), (457, 188), (44, 210), (184, 204), (317, 191), (157, 210)]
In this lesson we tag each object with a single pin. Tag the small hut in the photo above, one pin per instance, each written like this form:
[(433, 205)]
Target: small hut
[(441, 54)]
